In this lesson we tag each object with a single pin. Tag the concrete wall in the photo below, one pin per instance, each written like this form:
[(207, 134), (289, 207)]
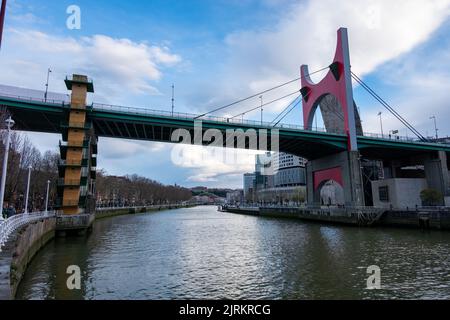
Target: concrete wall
[(350, 167), (403, 193), (18, 252)]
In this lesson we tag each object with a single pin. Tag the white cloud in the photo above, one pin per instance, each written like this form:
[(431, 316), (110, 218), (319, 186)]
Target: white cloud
[(210, 163), (419, 86), (121, 149), (307, 34), (379, 31), (120, 65)]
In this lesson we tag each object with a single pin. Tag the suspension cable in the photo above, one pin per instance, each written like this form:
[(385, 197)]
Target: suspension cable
[(388, 107), (265, 104), (293, 107), (290, 110), (260, 93), (284, 110)]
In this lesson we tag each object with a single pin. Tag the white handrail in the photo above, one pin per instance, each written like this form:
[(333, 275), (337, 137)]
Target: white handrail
[(12, 224)]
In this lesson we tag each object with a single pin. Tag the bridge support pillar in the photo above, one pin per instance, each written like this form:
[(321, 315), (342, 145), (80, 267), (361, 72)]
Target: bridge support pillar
[(437, 175), (343, 169)]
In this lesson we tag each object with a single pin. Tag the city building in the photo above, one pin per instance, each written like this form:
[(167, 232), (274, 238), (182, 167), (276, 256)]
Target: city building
[(235, 197), (289, 170), (249, 186), (278, 178)]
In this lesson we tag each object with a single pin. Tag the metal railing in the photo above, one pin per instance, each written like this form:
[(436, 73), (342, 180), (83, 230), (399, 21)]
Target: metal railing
[(12, 224), (191, 116), (33, 99)]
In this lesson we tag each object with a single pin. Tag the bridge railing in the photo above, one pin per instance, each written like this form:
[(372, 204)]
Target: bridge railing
[(12, 224), (390, 137), (34, 99), (191, 116)]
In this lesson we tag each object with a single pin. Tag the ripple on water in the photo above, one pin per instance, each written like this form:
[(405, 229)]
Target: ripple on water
[(199, 253)]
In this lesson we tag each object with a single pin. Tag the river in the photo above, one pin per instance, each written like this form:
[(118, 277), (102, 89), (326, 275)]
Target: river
[(199, 253)]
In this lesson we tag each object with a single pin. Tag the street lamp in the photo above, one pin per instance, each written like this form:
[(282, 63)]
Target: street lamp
[(46, 85), (173, 98), (2, 19), (28, 190), (261, 97), (9, 125), (435, 126), (381, 123), (46, 197)]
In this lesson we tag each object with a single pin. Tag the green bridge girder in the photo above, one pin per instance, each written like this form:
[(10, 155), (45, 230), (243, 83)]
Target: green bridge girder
[(38, 116)]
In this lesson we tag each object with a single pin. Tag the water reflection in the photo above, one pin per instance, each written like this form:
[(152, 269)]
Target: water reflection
[(203, 254)]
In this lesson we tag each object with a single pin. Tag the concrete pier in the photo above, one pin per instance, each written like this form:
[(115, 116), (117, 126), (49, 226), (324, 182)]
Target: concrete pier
[(74, 223)]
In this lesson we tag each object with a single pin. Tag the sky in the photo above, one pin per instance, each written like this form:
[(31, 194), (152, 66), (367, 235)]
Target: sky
[(218, 51)]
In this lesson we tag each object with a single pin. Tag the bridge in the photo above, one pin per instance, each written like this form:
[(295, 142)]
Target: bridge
[(36, 115), (341, 152)]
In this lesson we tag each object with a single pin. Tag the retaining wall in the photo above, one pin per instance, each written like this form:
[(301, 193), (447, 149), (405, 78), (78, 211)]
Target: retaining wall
[(19, 250)]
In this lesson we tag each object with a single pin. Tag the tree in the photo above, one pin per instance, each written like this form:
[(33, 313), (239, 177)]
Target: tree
[(431, 197)]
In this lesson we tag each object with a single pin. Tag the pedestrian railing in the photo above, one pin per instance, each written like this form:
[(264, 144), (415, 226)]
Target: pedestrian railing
[(12, 224)]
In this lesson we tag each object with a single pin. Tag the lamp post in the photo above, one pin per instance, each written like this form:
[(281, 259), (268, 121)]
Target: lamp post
[(435, 126), (28, 190), (2, 19), (9, 125), (173, 98), (261, 97), (381, 124), (46, 85), (46, 197)]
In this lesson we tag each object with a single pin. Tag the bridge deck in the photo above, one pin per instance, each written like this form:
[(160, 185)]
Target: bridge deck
[(35, 115)]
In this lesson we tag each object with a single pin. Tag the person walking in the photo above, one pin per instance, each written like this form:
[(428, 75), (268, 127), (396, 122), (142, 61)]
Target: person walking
[(4, 212), (11, 211)]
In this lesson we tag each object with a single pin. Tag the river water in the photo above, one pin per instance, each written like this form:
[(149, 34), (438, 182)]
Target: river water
[(199, 253)]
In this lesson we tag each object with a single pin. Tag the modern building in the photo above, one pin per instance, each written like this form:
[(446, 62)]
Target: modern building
[(235, 197), (249, 185), (283, 160), (289, 170), (278, 177)]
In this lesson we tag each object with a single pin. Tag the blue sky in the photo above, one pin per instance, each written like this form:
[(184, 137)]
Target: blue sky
[(219, 51)]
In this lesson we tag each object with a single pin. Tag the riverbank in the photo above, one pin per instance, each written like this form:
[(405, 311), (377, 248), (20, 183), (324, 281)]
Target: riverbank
[(103, 213), (418, 219), (18, 252)]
